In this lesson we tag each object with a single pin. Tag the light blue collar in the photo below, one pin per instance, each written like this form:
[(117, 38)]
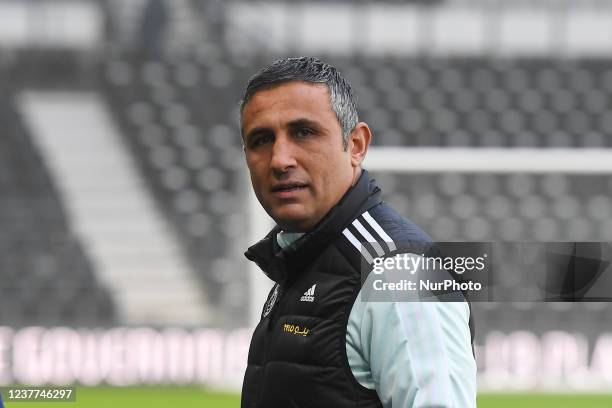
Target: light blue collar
[(285, 239)]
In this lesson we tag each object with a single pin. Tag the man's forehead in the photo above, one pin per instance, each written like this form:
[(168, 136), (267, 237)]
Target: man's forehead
[(291, 90), (295, 98)]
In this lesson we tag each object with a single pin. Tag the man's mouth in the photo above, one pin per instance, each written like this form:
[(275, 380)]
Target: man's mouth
[(282, 189)]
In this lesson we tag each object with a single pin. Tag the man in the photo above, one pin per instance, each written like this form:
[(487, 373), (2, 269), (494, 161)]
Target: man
[(318, 343)]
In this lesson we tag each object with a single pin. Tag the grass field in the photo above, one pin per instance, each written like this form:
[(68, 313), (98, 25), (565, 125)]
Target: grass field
[(157, 397)]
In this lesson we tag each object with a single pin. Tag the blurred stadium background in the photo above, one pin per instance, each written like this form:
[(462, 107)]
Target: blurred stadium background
[(125, 205)]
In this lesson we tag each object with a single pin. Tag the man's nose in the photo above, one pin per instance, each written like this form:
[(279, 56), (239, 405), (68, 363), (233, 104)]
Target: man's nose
[(283, 156)]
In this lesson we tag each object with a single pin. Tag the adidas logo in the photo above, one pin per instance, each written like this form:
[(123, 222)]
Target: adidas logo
[(309, 294)]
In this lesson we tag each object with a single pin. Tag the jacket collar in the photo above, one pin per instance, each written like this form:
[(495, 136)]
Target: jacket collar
[(275, 262)]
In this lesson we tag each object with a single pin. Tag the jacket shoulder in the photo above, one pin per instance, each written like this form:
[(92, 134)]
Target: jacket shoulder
[(399, 229), (379, 232)]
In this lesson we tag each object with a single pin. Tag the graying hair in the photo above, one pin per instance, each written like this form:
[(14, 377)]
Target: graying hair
[(313, 70)]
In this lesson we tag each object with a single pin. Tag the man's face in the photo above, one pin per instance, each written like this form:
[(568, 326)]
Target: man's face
[(295, 154)]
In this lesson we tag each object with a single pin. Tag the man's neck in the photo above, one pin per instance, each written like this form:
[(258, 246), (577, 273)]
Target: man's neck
[(356, 175)]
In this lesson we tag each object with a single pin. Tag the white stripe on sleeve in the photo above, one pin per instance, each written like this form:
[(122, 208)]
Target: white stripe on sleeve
[(379, 231), (364, 252), (368, 237)]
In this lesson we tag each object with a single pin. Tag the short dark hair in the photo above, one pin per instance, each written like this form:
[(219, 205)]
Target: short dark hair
[(313, 70)]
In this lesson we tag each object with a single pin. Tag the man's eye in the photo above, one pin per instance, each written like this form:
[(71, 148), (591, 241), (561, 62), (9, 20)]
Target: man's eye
[(261, 140), (304, 132)]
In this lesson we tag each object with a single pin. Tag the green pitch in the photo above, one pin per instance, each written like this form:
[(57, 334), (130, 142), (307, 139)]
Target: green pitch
[(158, 397), (544, 401)]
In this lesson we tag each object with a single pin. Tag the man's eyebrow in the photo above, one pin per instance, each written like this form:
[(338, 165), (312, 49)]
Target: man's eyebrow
[(296, 123), (303, 122)]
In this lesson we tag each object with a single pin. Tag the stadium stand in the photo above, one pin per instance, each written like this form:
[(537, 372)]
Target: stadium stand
[(47, 279), (189, 148), (485, 102)]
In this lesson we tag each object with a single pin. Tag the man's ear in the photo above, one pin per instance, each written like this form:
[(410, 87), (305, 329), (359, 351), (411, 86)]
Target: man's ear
[(359, 140)]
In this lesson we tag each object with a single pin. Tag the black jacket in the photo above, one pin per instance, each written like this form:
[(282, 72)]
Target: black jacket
[(298, 353)]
